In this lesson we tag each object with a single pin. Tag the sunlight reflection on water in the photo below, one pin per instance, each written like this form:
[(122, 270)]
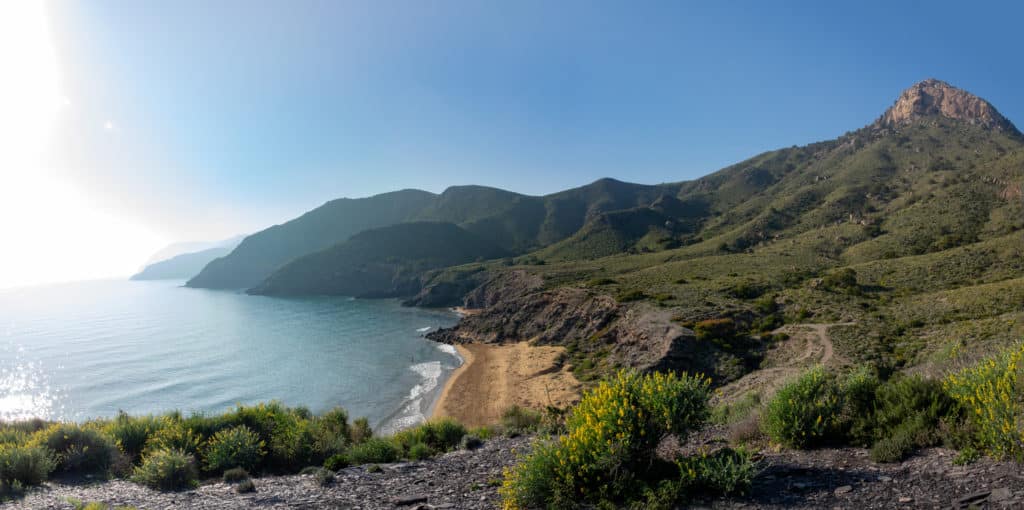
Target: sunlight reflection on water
[(25, 392)]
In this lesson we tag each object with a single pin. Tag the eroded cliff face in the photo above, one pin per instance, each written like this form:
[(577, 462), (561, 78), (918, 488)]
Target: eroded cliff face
[(513, 306), (937, 98)]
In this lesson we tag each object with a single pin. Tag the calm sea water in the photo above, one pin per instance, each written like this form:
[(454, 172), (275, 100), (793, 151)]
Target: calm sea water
[(82, 350)]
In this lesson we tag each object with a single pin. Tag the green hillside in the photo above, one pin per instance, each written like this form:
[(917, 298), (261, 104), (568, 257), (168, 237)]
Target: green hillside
[(927, 212), (517, 223), (381, 262), (922, 211)]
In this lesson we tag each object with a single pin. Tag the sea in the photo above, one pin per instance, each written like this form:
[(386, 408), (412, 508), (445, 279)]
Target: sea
[(83, 350)]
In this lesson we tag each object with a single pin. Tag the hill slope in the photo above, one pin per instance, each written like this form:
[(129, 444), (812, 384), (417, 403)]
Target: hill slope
[(923, 207), (380, 262), (181, 266), (517, 223)]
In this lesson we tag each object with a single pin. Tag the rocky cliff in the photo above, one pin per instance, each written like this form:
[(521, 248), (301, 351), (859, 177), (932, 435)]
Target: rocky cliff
[(934, 97)]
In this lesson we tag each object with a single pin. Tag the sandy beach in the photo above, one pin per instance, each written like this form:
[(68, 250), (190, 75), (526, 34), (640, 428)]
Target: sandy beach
[(495, 377)]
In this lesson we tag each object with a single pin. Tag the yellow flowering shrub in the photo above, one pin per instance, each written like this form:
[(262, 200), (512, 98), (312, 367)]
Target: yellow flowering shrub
[(610, 441), (992, 393)]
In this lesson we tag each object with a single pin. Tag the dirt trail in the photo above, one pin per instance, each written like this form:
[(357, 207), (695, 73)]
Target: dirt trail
[(785, 360)]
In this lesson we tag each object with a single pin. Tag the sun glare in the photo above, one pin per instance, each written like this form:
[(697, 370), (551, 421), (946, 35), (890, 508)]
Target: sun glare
[(51, 231)]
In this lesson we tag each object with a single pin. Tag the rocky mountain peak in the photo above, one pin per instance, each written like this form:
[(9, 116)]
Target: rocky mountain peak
[(933, 97)]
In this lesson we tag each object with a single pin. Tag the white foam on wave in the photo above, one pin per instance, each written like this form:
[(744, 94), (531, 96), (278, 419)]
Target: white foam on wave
[(415, 406), (424, 329), (453, 352)]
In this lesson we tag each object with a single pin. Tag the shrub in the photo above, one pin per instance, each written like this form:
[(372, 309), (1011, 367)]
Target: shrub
[(77, 449), (332, 432), (441, 435), (324, 477), (858, 390), (805, 412), (732, 412), (420, 451), (131, 434), (337, 461), (26, 465), (78, 504), (520, 420), (10, 435), (992, 395), (167, 470), (907, 415), (630, 295), (842, 280), (235, 447), (610, 441), (374, 450), (719, 329), (294, 442), (745, 290), (246, 486), (724, 472), (470, 442), (235, 475), (360, 431), (174, 435)]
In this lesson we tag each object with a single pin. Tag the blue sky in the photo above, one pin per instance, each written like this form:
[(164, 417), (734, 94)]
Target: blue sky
[(225, 117)]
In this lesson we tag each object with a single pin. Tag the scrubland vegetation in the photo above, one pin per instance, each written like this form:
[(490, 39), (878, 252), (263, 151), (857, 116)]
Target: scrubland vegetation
[(605, 451), (173, 452)]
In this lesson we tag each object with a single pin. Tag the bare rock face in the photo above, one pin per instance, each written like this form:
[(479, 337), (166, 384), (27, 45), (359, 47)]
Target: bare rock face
[(937, 98)]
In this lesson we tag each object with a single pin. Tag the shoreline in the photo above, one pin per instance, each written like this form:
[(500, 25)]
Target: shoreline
[(493, 378)]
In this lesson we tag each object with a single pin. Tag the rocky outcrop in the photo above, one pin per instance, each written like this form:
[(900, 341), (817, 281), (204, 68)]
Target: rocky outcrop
[(514, 307), (551, 317), (937, 98), (646, 337)]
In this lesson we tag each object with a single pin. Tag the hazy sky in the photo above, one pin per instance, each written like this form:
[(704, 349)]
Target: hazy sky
[(187, 120)]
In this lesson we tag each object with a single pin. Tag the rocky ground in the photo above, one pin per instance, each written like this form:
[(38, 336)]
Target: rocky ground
[(828, 478)]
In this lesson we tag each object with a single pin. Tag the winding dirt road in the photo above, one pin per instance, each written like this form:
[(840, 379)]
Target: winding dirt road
[(782, 363)]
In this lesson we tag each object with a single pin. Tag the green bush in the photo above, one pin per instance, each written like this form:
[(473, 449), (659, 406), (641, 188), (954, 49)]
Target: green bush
[(246, 486), (858, 390), (174, 435), (332, 432), (337, 461), (992, 396), (131, 434), (734, 412), (470, 442), (295, 442), (627, 296), (721, 473), (78, 504), (26, 465), (907, 414), (420, 451), (235, 475), (360, 431), (805, 412), (167, 470), (520, 420), (440, 435), (10, 435), (77, 449), (608, 450), (374, 450), (235, 447), (324, 477)]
